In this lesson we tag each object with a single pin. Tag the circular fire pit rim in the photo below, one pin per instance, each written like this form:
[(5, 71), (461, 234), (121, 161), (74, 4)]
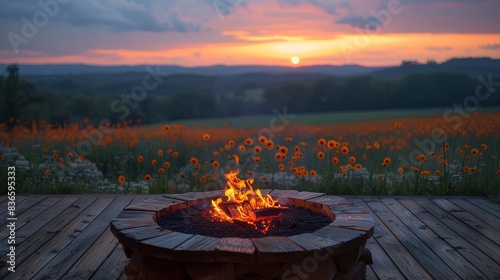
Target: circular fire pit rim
[(135, 227)]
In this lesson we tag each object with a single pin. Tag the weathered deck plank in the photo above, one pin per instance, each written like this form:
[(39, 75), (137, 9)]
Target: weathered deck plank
[(413, 237)]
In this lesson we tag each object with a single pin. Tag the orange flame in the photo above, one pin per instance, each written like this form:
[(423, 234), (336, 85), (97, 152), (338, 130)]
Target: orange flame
[(241, 200)]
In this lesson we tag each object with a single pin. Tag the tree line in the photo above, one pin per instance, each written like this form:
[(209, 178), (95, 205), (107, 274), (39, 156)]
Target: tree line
[(22, 101)]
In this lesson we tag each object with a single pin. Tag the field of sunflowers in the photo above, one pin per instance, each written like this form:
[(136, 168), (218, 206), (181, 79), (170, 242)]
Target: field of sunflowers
[(429, 155)]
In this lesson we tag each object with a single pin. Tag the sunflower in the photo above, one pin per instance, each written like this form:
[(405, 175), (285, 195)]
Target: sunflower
[(330, 144), (262, 139), (321, 141), (386, 161), (279, 156), (335, 160), (313, 173), (345, 150), (256, 159), (321, 155), (154, 162), (288, 139), (283, 149), (352, 159), (215, 164), (166, 164), (421, 158), (206, 136), (257, 149), (160, 153), (474, 152), (161, 170), (121, 179), (203, 179), (140, 159), (175, 154), (281, 167), (269, 144), (193, 160), (147, 177), (166, 128), (249, 142)]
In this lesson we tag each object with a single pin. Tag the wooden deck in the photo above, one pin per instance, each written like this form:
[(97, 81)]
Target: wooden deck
[(67, 237)]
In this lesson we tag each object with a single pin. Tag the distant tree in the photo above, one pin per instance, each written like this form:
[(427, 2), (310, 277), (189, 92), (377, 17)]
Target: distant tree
[(409, 63), (20, 98), (82, 106)]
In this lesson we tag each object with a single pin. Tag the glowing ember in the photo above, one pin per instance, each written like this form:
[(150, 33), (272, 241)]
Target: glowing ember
[(243, 203)]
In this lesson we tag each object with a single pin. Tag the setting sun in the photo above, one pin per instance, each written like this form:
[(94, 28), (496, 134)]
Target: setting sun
[(295, 60)]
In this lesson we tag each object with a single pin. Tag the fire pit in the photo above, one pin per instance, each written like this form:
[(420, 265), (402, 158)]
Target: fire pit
[(245, 234), (335, 250)]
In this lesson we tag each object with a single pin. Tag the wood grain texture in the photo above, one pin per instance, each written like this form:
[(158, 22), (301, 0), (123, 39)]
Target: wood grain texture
[(440, 224)]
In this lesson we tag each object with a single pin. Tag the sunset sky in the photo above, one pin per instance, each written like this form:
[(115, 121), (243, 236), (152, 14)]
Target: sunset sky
[(243, 32)]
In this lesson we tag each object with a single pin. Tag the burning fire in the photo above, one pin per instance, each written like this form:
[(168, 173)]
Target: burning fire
[(243, 203)]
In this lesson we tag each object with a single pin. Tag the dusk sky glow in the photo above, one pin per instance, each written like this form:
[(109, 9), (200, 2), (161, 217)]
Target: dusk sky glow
[(243, 32)]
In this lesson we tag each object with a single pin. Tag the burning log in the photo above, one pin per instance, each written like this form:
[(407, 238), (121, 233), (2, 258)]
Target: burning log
[(265, 213), (245, 212)]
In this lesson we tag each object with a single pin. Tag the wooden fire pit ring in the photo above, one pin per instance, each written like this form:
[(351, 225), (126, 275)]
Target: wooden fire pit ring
[(336, 251)]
